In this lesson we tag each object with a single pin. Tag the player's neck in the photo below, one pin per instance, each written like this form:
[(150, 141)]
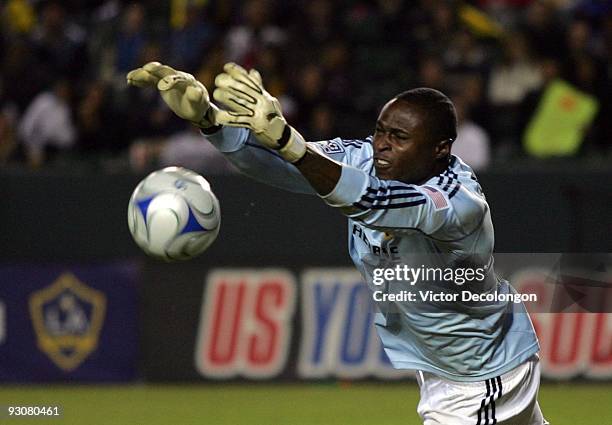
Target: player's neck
[(439, 168)]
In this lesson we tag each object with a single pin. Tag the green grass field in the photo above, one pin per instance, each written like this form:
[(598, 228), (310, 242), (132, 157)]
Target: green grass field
[(326, 404)]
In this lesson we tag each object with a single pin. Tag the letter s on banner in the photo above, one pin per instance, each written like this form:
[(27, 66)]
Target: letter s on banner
[(245, 323)]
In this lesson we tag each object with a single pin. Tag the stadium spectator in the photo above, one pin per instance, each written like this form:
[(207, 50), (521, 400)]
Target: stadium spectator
[(105, 20), (270, 59), (310, 91), (515, 75), (321, 125), (47, 125), (443, 26), (190, 42), (21, 76), (392, 18), (432, 73), (550, 70), (7, 136), (471, 89), (510, 81), (142, 115), (584, 65), (58, 43), (315, 55), (315, 27), (256, 32), (335, 62), (211, 63), (464, 55), (131, 39), (19, 17), (543, 30), (97, 121), (472, 143), (184, 148)]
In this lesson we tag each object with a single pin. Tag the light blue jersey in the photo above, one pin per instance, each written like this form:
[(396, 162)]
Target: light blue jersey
[(448, 217)]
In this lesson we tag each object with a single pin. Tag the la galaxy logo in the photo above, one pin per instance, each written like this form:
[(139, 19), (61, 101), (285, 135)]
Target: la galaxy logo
[(67, 317)]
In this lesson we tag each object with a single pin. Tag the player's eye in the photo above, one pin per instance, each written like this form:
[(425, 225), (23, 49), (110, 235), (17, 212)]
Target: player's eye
[(400, 135)]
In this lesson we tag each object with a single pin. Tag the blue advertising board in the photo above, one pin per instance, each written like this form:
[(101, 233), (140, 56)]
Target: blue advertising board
[(68, 322)]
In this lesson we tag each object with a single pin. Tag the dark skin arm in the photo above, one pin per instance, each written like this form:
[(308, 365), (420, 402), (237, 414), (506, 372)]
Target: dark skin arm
[(322, 173)]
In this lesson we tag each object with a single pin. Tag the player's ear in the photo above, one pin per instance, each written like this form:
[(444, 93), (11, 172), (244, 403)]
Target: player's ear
[(443, 148)]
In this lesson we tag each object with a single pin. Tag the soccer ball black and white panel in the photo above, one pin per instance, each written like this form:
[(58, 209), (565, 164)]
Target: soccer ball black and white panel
[(173, 214)]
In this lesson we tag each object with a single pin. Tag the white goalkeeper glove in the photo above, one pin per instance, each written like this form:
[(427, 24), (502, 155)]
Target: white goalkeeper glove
[(186, 96), (252, 107)]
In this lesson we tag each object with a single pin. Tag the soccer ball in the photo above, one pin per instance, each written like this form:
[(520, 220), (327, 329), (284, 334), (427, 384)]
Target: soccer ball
[(173, 214)]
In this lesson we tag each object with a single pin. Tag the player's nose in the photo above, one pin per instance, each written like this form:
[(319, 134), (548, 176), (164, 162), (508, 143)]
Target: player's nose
[(381, 143)]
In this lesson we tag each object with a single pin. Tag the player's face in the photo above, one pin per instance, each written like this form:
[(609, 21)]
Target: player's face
[(402, 149)]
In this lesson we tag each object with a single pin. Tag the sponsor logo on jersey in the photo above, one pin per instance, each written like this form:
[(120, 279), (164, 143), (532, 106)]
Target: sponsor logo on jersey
[(331, 147), (386, 250), (67, 317)]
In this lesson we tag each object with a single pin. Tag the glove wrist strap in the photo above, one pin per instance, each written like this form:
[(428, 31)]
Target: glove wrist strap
[(292, 145), (208, 120)]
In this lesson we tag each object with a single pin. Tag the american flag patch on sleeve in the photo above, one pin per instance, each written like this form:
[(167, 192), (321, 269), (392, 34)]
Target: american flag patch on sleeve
[(437, 197)]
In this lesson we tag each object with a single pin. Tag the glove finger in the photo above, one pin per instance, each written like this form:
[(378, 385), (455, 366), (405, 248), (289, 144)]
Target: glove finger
[(141, 78), (176, 81), (232, 119), (195, 94), (256, 76), (234, 69), (159, 70), (245, 97), (236, 104), (227, 82), (238, 73)]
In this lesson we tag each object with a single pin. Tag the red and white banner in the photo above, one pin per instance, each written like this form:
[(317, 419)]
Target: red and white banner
[(245, 324), (248, 324)]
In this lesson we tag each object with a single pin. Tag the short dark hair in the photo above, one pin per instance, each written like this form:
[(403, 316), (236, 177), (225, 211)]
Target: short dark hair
[(439, 111)]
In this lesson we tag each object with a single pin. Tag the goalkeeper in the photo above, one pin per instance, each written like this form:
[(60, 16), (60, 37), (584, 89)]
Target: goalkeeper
[(403, 193)]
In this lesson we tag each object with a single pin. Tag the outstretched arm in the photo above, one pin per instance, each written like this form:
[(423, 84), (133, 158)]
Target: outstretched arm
[(188, 98), (321, 172), (251, 106), (264, 165), (265, 156)]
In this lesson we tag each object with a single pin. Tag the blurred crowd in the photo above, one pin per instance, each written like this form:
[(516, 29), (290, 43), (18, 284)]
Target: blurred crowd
[(332, 64)]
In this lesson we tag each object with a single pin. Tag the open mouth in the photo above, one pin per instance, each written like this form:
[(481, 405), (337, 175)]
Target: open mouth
[(381, 163)]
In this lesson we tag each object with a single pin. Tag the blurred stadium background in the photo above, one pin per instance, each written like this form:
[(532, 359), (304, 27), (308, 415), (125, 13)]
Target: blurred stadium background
[(88, 323)]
